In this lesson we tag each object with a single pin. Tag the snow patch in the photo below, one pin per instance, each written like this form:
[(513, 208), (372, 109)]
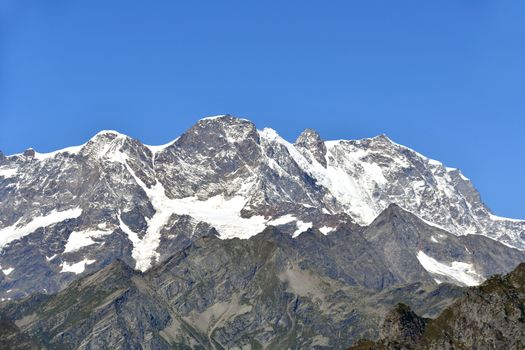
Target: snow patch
[(222, 213), (79, 239), (500, 218), (325, 211), (219, 116), (282, 220), (159, 148), (225, 215), (8, 271), (132, 235), (326, 230), (213, 117), (462, 272), (301, 227), (108, 131), (76, 268), (70, 150), (17, 230), (7, 173)]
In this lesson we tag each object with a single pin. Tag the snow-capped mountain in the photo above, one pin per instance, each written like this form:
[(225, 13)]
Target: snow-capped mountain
[(77, 209)]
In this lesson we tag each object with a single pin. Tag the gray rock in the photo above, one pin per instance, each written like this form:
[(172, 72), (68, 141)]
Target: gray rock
[(72, 212), (310, 141), (491, 316), (213, 294)]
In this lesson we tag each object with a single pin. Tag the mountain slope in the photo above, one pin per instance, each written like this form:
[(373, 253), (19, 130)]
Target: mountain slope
[(218, 294), (73, 211), (491, 316)]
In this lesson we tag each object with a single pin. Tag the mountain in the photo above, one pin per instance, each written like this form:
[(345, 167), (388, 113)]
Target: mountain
[(74, 211), (490, 316), (232, 237), (216, 294)]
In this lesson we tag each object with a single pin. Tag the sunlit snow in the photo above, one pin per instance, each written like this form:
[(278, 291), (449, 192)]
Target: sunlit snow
[(285, 219), (8, 172), (76, 268), (355, 192), (19, 230), (224, 214), (459, 271), (158, 148), (79, 239), (500, 218), (7, 271), (70, 150), (326, 229), (302, 227)]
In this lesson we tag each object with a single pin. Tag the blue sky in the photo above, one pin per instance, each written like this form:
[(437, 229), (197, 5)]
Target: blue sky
[(446, 78)]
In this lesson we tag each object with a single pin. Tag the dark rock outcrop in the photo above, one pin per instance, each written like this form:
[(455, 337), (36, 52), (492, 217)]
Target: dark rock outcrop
[(311, 141), (491, 316), (402, 326)]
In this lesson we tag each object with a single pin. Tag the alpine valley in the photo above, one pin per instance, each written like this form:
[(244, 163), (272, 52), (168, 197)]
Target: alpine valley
[(231, 237)]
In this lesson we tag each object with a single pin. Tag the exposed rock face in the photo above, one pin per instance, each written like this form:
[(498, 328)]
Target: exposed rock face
[(413, 249), (73, 211), (11, 338), (310, 141), (232, 237), (215, 294), (402, 326), (491, 316)]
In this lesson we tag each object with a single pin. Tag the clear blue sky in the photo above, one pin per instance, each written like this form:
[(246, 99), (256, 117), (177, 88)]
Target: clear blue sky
[(446, 78)]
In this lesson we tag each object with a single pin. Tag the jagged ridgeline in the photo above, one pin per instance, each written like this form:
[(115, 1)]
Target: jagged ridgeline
[(491, 316), (230, 236)]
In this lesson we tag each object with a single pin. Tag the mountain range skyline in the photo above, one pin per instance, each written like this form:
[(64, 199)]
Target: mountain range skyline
[(56, 150)]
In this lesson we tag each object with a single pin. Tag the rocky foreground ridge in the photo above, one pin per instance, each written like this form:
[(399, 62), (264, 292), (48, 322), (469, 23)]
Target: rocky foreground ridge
[(220, 294), (491, 316)]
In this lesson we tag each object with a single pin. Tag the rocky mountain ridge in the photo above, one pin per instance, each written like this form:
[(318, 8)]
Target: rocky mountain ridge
[(491, 316), (257, 293), (74, 211)]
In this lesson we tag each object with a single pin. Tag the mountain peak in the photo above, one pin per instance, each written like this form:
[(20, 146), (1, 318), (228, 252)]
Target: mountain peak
[(105, 137), (108, 134), (392, 209), (308, 136), (29, 152), (227, 127), (311, 141), (382, 137), (223, 119)]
